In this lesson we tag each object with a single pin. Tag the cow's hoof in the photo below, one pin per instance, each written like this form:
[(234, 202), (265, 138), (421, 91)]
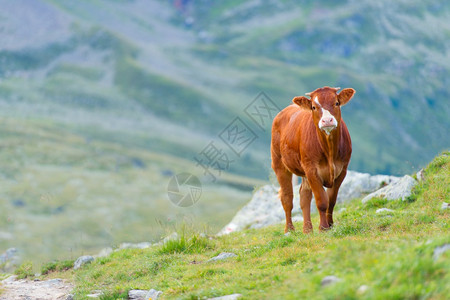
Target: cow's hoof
[(307, 230), (289, 229), (323, 228)]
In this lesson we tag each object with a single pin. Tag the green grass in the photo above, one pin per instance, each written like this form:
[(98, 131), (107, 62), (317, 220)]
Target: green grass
[(56, 266), (391, 253), (25, 270), (58, 184), (192, 244)]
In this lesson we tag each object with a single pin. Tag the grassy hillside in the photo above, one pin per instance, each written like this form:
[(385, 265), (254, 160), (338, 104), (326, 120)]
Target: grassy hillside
[(64, 194), (393, 54), (101, 100), (197, 67), (391, 253)]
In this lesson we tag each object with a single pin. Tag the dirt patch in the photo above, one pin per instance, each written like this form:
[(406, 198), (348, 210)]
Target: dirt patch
[(53, 289)]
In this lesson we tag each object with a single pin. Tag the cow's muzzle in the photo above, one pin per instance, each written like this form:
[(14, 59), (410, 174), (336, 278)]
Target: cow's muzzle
[(327, 124)]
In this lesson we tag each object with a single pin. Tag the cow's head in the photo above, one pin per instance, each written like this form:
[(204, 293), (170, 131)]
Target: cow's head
[(325, 105)]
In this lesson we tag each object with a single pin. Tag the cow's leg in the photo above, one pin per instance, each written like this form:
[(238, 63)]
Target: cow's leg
[(332, 196), (305, 205), (321, 198), (286, 196)]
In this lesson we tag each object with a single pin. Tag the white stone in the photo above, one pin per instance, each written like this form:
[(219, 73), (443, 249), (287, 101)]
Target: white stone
[(420, 175), (398, 190), (327, 280), (94, 295), (438, 251), (10, 279), (173, 236), (445, 205), (82, 260), (221, 256), (142, 245), (144, 294), (362, 289), (153, 294), (384, 209)]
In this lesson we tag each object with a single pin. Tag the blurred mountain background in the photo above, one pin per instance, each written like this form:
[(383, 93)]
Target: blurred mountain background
[(102, 102)]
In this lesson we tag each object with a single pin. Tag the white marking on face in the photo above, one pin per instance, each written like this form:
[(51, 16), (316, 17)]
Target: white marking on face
[(326, 115), (316, 100)]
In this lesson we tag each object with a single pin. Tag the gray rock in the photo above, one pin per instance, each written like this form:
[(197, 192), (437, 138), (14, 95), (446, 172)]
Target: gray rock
[(221, 256), (357, 184), (445, 205), (82, 260), (265, 209), (397, 190), (362, 289), (171, 237), (153, 294), (144, 294), (69, 297), (137, 294), (227, 297), (10, 279), (9, 254), (438, 251), (142, 245), (9, 260), (384, 209), (420, 175), (56, 281), (95, 294), (327, 280)]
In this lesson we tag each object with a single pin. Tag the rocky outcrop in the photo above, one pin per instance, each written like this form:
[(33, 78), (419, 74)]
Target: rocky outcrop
[(438, 251), (144, 294), (82, 260), (9, 260), (358, 184), (383, 210), (331, 279), (265, 208), (57, 289), (400, 189), (142, 245), (222, 256)]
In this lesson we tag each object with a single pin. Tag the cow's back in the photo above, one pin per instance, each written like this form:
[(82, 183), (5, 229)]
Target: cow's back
[(290, 127)]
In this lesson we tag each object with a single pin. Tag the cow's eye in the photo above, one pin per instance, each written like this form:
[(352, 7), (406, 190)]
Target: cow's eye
[(337, 103), (314, 108)]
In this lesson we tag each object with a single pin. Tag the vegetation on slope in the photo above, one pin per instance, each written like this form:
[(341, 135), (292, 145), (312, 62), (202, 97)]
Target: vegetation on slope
[(64, 195), (391, 253), (202, 74), (99, 99)]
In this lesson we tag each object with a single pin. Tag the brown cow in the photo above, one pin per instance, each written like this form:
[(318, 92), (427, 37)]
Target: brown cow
[(310, 139)]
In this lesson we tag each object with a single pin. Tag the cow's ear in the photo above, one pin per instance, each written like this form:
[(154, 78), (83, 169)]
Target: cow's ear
[(303, 102), (345, 95)]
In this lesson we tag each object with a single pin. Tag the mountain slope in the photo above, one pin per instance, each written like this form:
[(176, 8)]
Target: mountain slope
[(197, 66), (374, 255)]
